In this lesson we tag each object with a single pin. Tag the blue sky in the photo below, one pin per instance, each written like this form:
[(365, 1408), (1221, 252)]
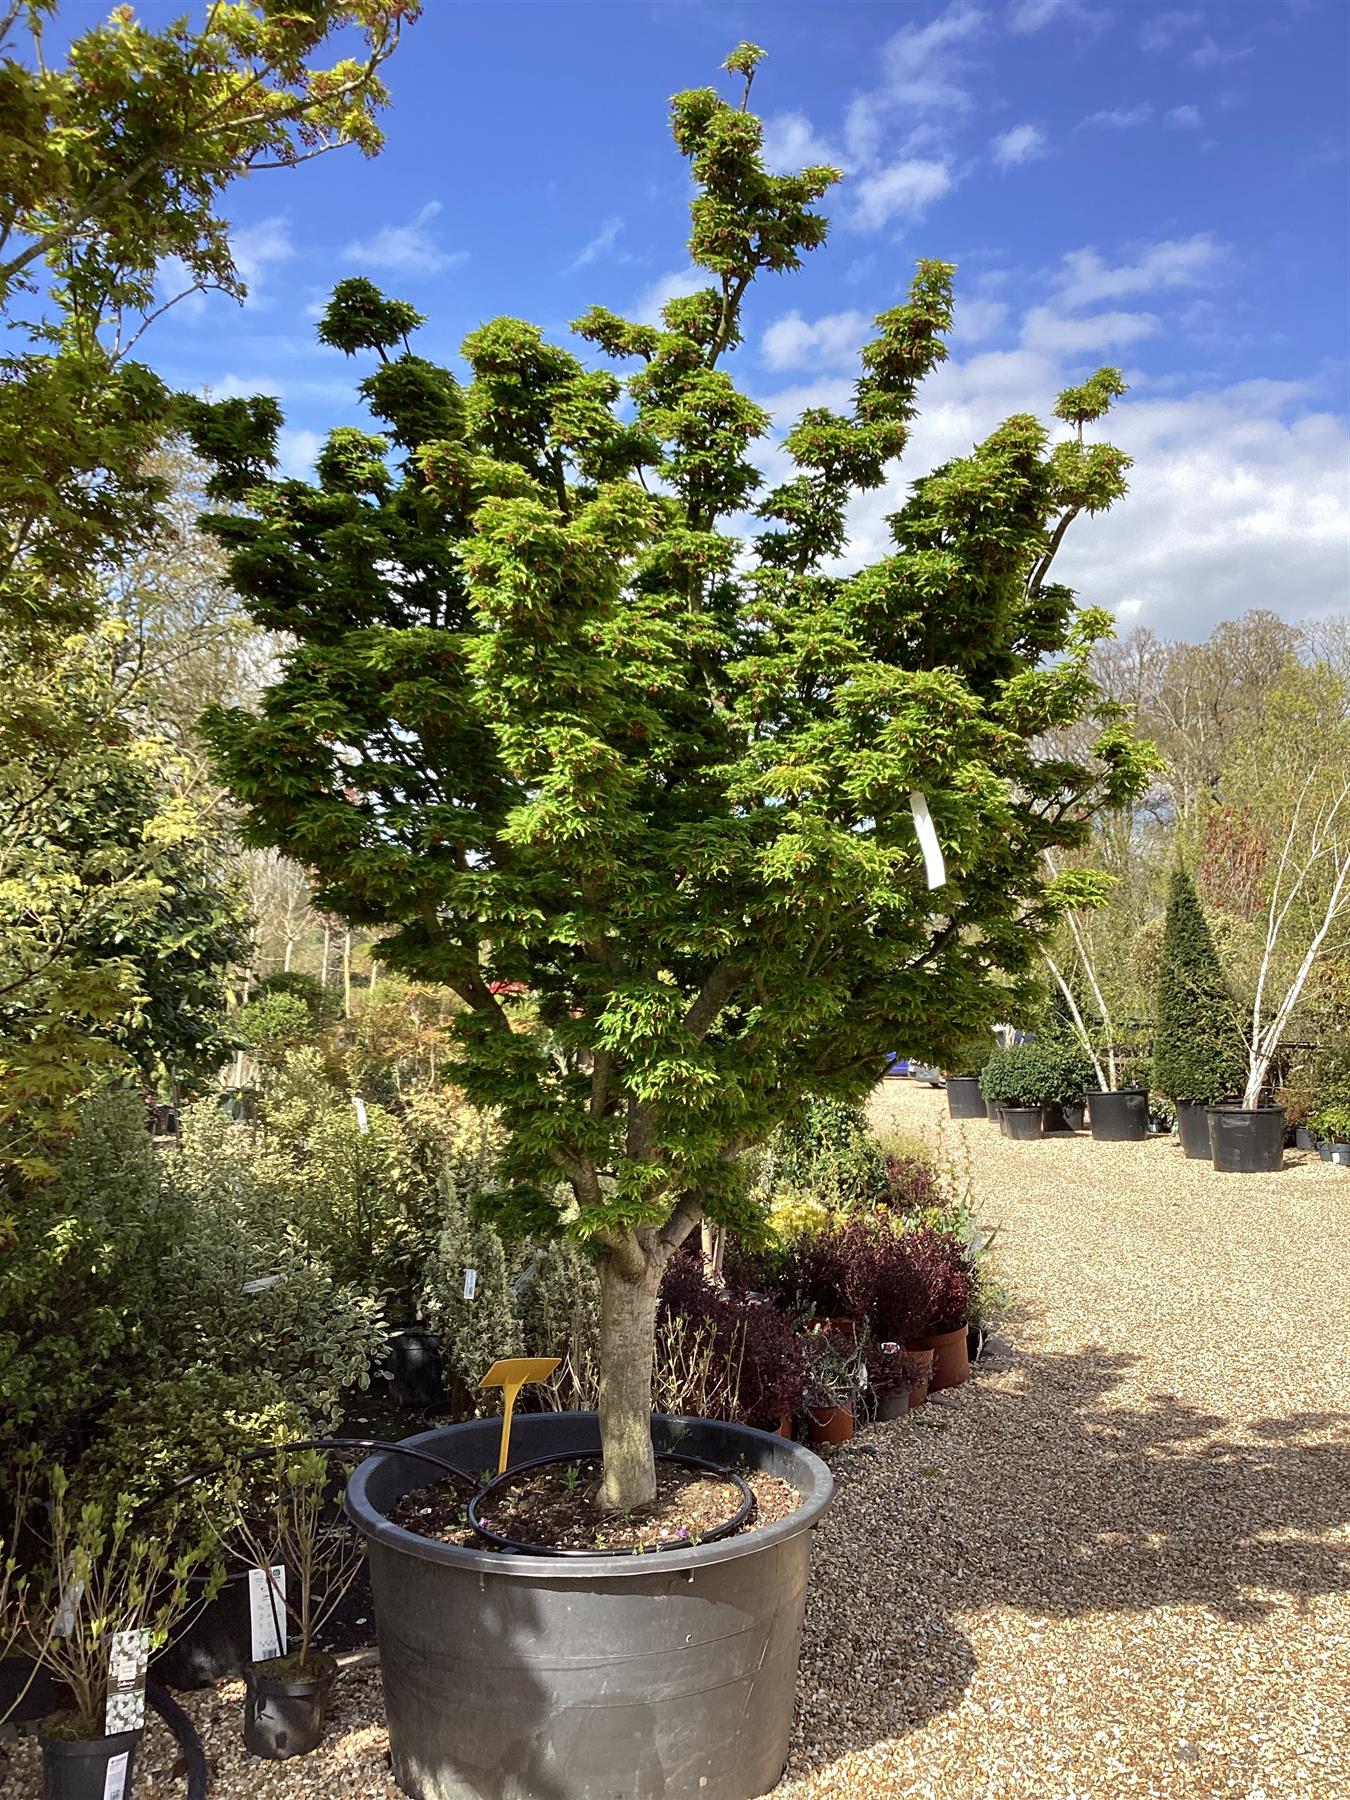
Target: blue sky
[(1162, 187)]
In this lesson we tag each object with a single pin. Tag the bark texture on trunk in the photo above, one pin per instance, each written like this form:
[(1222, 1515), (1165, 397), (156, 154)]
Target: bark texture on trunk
[(627, 1334)]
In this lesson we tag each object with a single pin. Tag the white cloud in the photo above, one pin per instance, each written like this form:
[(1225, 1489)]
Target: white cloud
[(903, 190), (1043, 329), (296, 451), (1211, 55), (1022, 144), (793, 342), (1184, 116), (790, 144), (976, 319), (1035, 15), (603, 241), (1120, 118), (1238, 497), (1178, 262), (409, 249), (925, 64), (256, 248), (1163, 29), (647, 306)]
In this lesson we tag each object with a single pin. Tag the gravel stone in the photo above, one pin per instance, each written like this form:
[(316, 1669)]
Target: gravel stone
[(1115, 1565)]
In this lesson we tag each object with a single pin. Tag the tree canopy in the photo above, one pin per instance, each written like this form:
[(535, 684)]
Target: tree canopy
[(578, 706)]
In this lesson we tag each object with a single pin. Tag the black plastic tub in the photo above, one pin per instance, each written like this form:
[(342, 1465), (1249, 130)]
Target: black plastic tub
[(1120, 1117), (1193, 1128), (1247, 1140), (89, 1768), (964, 1099), (589, 1678), (1064, 1115), (1025, 1123), (993, 1111), (1336, 1153), (216, 1645)]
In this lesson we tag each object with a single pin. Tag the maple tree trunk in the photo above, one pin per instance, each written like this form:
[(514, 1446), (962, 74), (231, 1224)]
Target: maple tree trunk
[(627, 1338)]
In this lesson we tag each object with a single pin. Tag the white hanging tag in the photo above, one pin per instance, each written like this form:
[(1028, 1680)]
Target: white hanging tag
[(362, 1122), (934, 866), (470, 1283), (267, 1612), (128, 1654), (115, 1776), (260, 1284)]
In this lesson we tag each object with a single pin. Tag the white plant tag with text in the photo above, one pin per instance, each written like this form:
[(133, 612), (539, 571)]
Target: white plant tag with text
[(362, 1122), (935, 868), (115, 1776), (470, 1283), (267, 1612), (70, 1601), (128, 1653)]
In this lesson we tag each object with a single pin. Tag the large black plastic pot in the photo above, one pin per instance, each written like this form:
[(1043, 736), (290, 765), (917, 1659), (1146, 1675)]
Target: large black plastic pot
[(964, 1099), (1120, 1117), (592, 1677), (1336, 1153), (216, 1645), (89, 1768), (1024, 1123), (1193, 1128), (284, 1718), (1064, 1115), (26, 1693), (1247, 1140), (414, 1366)]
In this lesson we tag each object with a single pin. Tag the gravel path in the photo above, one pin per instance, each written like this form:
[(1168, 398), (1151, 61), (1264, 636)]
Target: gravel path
[(1116, 1564)]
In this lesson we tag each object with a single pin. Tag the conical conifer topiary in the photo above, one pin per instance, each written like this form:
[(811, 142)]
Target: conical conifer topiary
[(1198, 1053)]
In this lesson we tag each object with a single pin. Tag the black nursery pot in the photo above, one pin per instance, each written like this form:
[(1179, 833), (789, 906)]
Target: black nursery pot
[(1065, 1115), (1120, 1117), (1335, 1153), (414, 1364), (1247, 1140), (216, 1645), (89, 1768), (284, 1717), (964, 1099), (1025, 1123), (520, 1677), (1193, 1128)]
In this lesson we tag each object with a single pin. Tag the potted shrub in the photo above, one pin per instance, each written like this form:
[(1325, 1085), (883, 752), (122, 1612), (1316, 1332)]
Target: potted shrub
[(105, 1575), (962, 1071), (835, 1375), (1331, 1127), (1117, 1112), (306, 1535), (947, 1272), (1022, 1081), (898, 1378), (1198, 1056)]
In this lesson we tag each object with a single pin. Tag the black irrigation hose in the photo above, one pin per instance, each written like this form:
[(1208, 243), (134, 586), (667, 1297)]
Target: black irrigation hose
[(186, 1734), (743, 1514)]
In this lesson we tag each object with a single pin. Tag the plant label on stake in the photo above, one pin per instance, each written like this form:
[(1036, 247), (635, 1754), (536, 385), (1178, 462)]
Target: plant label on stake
[(267, 1612), (470, 1283), (934, 866), (510, 1373), (128, 1654), (70, 1602), (362, 1122)]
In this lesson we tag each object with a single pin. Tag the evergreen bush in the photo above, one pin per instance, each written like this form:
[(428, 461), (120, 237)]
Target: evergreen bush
[(1198, 1052), (1036, 1075)]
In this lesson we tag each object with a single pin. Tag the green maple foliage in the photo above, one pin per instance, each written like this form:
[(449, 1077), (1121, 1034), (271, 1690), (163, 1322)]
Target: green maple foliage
[(113, 161), (555, 724), (1198, 1052)]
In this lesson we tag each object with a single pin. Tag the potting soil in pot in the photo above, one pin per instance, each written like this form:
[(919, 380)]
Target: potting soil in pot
[(548, 1508)]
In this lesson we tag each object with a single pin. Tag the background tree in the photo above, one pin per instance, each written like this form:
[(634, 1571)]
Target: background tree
[(551, 722), (1198, 1053)]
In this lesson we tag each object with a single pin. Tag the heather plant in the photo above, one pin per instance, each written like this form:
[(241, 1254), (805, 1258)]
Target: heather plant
[(551, 722)]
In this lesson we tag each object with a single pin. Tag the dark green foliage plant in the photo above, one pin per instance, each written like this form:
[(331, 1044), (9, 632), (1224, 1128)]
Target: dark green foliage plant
[(553, 726), (1198, 1049), (1037, 1074), (827, 1152), (323, 1004)]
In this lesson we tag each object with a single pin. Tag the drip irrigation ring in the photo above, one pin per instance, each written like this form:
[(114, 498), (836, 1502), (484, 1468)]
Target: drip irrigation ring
[(742, 1516)]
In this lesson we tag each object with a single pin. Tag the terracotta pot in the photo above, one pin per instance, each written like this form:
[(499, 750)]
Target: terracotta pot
[(830, 1424), (919, 1392), (843, 1328), (951, 1356), (785, 1426)]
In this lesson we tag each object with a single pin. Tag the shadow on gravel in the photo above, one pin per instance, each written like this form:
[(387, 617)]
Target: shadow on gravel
[(1061, 1505)]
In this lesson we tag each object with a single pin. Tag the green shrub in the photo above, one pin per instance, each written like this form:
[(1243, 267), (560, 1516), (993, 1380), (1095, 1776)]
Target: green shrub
[(1331, 1124), (79, 1278), (1036, 1075), (272, 1026), (324, 1005), (557, 1294), (1198, 1053), (828, 1155)]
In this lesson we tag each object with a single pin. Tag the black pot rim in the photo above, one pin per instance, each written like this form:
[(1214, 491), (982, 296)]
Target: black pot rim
[(1106, 1093), (1250, 1112), (815, 1493), (298, 1687), (110, 1744)]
